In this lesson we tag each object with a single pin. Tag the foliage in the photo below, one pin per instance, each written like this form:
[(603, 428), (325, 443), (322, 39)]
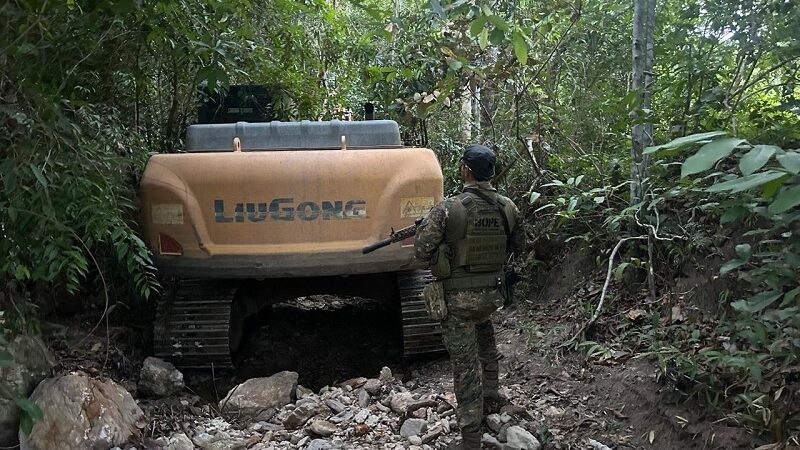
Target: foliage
[(29, 411)]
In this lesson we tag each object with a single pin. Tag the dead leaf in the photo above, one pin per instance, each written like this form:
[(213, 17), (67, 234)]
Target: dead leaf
[(677, 314), (651, 437), (96, 347), (634, 314)]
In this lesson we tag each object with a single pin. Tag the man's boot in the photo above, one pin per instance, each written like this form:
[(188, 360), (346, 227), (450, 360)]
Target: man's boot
[(469, 441)]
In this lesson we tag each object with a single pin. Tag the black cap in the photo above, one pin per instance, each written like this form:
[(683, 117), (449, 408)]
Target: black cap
[(480, 160)]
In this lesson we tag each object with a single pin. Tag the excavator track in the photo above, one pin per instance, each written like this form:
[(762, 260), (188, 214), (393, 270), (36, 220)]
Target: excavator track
[(192, 326), (421, 335)]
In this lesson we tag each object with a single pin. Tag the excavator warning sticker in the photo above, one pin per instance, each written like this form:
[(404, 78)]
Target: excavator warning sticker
[(415, 206), (168, 214)]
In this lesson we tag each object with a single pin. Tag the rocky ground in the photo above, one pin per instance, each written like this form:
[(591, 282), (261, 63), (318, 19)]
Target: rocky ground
[(560, 400)]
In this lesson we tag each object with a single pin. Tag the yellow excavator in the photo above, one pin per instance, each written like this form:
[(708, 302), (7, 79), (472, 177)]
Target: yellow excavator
[(255, 213)]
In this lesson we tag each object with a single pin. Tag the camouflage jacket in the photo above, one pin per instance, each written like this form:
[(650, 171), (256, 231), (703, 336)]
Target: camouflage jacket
[(431, 232)]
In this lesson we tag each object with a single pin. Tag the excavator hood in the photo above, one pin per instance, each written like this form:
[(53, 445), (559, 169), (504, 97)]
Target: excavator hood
[(273, 200)]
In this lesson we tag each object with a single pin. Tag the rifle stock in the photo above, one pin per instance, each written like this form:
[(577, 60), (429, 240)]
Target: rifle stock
[(395, 236)]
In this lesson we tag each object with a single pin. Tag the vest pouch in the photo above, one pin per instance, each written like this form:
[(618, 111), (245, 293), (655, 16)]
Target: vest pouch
[(435, 304), (441, 261)]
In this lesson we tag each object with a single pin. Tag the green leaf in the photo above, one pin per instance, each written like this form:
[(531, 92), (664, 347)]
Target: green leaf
[(731, 265), (790, 296), (29, 407), (6, 359), (39, 175), (520, 47), (496, 36), (620, 270), (785, 200), (25, 423), (790, 161), (708, 155), (686, 140), (477, 26), (758, 302), (483, 39), (599, 199), (732, 214), (756, 158), (534, 196), (748, 182), (744, 251), (498, 22)]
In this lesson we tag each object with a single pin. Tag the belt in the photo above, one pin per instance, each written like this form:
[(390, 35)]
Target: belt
[(473, 282)]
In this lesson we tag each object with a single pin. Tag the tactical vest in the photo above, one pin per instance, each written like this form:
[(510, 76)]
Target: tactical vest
[(477, 238)]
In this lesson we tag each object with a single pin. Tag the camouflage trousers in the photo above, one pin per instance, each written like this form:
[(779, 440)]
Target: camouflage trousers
[(469, 338)]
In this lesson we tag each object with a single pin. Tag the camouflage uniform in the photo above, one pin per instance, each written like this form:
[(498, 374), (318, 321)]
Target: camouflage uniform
[(467, 330)]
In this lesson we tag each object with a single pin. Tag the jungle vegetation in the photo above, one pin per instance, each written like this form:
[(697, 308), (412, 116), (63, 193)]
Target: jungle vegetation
[(662, 134)]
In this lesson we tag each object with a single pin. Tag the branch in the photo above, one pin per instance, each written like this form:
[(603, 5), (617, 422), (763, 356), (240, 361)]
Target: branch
[(605, 289)]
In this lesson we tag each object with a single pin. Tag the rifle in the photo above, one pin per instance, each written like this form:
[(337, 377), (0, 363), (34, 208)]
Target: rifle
[(395, 236)]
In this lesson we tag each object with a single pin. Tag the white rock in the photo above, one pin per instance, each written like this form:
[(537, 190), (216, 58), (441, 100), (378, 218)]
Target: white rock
[(322, 428), (386, 375), (518, 438), (32, 363), (179, 441), (159, 378), (399, 402), (373, 386), (494, 422), (414, 440), (413, 427), (81, 412), (490, 442), (259, 398), (319, 444)]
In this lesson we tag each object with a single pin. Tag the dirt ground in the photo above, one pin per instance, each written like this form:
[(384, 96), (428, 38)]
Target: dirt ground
[(619, 403)]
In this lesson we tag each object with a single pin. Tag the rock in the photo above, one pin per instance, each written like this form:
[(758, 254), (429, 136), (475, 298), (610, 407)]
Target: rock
[(433, 433), (179, 441), (80, 413), (259, 398), (363, 398), (414, 440), (493, 422), (226, 444), (489, 441), (303, 392), (343, 417), (32, 363), (322, 428), (159, 378), (354, 383), (518, 438), (373, 386), (503, 433), (386, 375), (413, 427), (300, 416), (361, 416), (335, 405), (399, 402), (319, 444), (361, 429)]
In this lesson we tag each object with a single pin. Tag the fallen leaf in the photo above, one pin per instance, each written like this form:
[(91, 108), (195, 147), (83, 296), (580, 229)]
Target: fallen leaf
[(96, 347), (651, 437)]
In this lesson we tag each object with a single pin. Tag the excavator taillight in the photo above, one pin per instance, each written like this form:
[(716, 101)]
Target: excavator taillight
[(168, 245)]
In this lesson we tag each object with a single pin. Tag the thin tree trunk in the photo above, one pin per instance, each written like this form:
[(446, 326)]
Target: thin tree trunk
[(641, 82)]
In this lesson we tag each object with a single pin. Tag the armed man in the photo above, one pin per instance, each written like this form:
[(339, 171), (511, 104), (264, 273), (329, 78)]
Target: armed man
[(467, 240)]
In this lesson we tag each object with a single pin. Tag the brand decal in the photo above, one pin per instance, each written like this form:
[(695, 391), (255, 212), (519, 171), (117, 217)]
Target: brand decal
[(286, 209)]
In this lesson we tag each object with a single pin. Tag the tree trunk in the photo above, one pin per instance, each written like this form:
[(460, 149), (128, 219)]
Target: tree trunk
[(641, 82)]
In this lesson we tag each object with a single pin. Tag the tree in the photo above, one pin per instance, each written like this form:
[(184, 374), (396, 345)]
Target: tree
[(641, 84)]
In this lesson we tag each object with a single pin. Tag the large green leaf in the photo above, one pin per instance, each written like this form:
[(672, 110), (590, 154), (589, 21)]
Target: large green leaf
[(520, 47), (748, 182), (498, 22), (758, 302), (29, 407), (477, 26), (790, 161), (756, 158), (785, 200), (686, 140), (708, 155)]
